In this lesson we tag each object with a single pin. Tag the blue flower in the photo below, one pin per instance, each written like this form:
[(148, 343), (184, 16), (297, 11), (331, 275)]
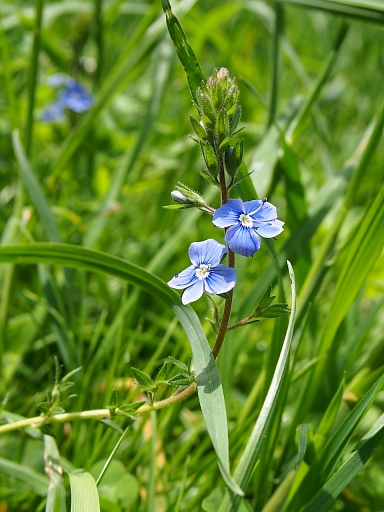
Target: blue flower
[(72, 96), (75, 97), (245, 221), (206, 274)]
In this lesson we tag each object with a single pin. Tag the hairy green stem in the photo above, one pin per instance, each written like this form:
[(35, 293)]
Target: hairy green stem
[(95, 414), (231, 263)]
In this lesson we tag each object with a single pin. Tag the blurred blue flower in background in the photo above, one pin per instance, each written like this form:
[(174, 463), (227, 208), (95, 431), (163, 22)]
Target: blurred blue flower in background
[(72, 96), (206, 274)]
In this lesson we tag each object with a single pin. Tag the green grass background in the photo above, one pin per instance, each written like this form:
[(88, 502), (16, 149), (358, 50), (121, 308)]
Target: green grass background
[(310, 75)]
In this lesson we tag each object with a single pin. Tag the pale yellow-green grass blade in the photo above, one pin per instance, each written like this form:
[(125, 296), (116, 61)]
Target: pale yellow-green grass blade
[(84, 495)]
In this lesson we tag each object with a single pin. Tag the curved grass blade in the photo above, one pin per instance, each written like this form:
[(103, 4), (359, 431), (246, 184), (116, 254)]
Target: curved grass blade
[(35, 190), (368, 10), (184, 50), (332, 451), (249, 457), (35, 481), (84, 495), (355, 461), (209, 387)]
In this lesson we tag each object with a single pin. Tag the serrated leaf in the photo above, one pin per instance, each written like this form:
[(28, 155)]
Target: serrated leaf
[(142, 378), (183, 367), (274, 311)]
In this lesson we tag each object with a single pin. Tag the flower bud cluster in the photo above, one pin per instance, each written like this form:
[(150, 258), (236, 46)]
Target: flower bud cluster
[(217, 102)]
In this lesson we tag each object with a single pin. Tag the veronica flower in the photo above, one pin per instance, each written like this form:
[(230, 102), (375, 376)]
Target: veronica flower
[(245, 221), (206, 274), (72, 96)]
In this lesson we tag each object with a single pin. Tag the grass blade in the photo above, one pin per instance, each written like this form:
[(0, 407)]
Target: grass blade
[(84, 495), (35, 191), (208, 380), (355, 461), (252, 450), (184, 50)]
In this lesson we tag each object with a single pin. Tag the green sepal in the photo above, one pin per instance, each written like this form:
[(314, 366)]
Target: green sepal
[(189, 195), (210, 159), (222, 126), (233, 157), (224, 145), (208, 124), (178, 206), (234, 118), (206, 107), (199, 129), (143, 379)]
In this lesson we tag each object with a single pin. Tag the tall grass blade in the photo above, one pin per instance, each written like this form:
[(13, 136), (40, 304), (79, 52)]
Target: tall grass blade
[(184, 50), (35, 191), (84, 496), (209, 387), (352, 465), (330, 455), (366, 10), (35, 481), (252, 450)]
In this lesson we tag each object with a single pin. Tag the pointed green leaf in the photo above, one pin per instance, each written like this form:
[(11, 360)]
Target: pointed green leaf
[(184, 50)]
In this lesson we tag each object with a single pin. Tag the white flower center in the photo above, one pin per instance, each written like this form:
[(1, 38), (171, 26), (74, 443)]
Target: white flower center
[(246, 220), (202, 271)]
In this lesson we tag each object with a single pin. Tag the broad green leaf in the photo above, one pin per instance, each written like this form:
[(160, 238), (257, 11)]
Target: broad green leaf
[(209, 387), (84, 495), (184, 50)]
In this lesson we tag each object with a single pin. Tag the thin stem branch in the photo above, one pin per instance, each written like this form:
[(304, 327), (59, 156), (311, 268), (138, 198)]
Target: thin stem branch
[(96, 414)]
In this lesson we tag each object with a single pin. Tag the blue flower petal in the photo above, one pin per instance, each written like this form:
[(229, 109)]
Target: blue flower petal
[(221, 279), (208, 252), (267, 212), (242, 240), (185, 278), (193, 293), (269, 229), (253, 206), (228, 214)]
